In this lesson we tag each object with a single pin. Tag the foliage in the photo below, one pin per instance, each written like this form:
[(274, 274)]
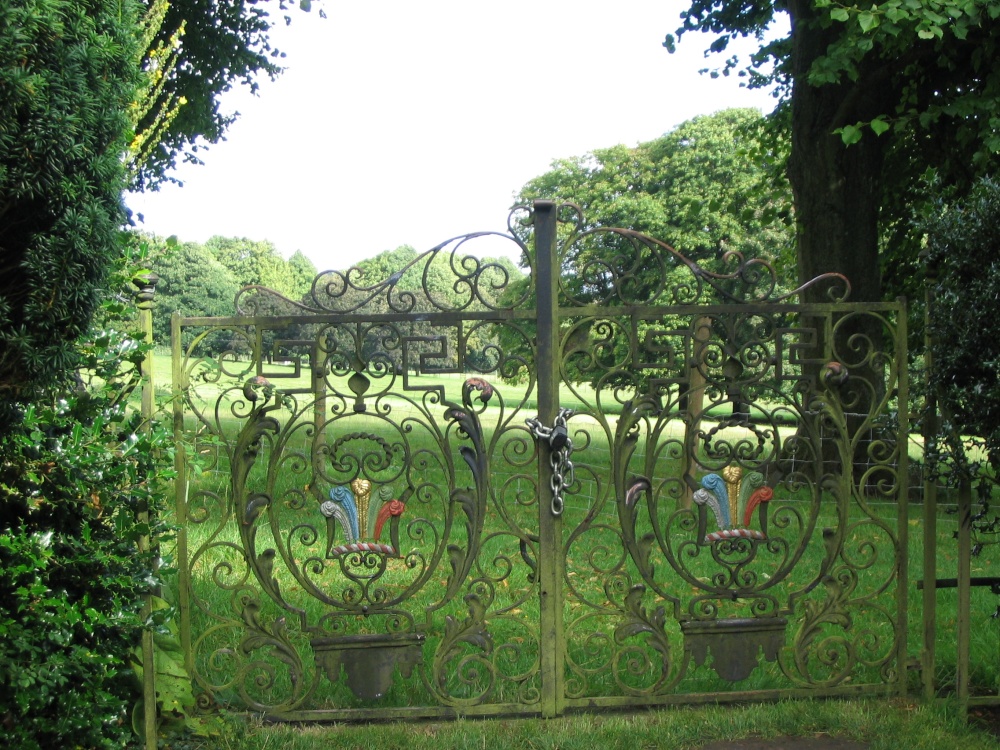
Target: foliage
[(75, 469), (963, 240), (437, 279), (203, 280), (706, 188), (423, 284), (192, 282), (302, 273), (157, 61), (177, 712), (938, 56), (67, 73), (875, 94), (257, 262), (701, 188), (224, 43), (419, 284)]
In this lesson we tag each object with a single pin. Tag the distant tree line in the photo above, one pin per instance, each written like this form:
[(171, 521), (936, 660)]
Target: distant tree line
[(203, 280)]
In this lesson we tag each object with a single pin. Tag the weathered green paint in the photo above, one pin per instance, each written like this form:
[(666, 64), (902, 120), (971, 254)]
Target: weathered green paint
[(550, 535), (964, 614), (146, 286), (930, 433), (719, 527), (902, 515), (178, 391)]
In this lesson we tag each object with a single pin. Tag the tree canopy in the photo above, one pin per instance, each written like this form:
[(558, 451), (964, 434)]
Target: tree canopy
[(257, 262), (875, 94), (704, 188), (202, 280), (220, 44)]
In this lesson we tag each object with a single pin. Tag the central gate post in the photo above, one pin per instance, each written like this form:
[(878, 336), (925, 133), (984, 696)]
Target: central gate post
[(550, 544)]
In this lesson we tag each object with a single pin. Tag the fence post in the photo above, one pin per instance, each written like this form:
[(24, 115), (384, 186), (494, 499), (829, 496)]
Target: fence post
[(930, 430), (551, 564), (964, 592), (903, 495), (178, 385), (146, 286), (692, 403)]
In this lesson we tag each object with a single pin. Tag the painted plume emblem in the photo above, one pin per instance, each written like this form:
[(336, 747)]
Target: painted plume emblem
[(733, 498)]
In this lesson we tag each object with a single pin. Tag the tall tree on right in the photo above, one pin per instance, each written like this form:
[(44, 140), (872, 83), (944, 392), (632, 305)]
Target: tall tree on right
[(873, 94)]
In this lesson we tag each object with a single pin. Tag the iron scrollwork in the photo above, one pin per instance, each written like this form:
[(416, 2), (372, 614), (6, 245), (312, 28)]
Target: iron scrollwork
[(363, 526)]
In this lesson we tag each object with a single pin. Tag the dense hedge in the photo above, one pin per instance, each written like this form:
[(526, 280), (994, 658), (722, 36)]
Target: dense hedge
[(964, 247), (67, 73), (74, 463)]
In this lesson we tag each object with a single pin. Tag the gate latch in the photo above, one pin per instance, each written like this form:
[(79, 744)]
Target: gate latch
[(560, 451)]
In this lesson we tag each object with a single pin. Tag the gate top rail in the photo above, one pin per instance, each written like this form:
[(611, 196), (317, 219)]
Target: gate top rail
[(598, 265)]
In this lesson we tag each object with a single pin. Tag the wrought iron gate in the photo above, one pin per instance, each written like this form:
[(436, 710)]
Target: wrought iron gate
[(625, 479)]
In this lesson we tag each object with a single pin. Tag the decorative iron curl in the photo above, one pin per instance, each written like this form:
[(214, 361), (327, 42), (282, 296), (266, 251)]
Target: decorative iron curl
[(476, 282), (370, 460), (620, 272)]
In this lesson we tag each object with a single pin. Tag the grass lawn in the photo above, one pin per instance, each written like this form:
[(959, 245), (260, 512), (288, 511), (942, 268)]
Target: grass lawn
[(884, 724)]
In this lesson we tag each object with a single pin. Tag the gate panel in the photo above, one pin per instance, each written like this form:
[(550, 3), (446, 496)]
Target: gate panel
[(734, 525), (368, 527), (360, 534)]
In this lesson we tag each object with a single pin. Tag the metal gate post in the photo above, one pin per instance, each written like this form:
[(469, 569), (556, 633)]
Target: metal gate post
[(964, 593), (146, 287), (903, 498), (930, 425), (550, 543), (180, 492)]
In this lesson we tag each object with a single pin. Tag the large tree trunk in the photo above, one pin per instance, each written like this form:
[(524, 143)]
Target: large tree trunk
[(837, 188), (838, 191)]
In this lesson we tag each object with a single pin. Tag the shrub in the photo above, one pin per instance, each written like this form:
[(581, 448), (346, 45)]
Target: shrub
[(74, 471), (964, 244)]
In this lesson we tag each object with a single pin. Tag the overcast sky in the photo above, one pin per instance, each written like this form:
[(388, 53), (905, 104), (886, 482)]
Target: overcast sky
[(401, 122)]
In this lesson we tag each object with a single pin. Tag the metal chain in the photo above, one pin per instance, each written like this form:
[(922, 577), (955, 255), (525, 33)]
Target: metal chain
[(561, 450)]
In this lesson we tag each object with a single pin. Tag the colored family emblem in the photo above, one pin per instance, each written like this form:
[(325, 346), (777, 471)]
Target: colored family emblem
[(362, 515), (733, 498)]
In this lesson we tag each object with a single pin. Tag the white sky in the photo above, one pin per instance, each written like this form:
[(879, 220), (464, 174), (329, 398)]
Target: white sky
[(401, 122)]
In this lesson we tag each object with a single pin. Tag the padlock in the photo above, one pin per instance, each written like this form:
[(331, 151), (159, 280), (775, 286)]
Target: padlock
[(559, 438)]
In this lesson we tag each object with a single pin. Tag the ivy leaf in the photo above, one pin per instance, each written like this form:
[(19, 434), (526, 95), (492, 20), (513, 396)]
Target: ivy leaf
[(868, 21), (879, 125), (849, 134)]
